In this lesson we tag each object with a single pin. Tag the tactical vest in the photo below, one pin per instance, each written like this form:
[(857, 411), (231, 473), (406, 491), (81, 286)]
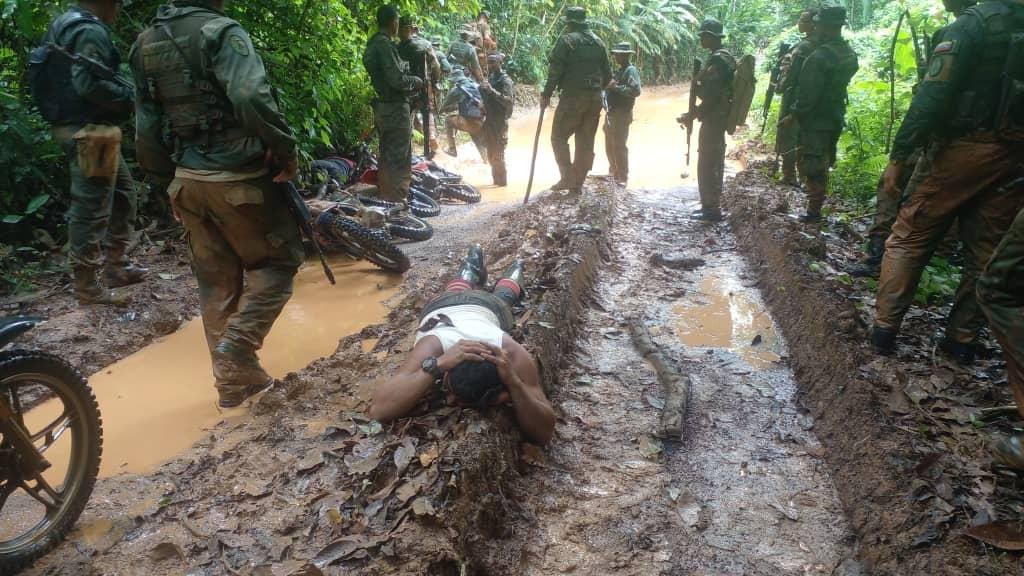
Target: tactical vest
[(415, 53), (842, 66), (620, 102), (583, 73), (994, 96), (196, 110), (491, 101)]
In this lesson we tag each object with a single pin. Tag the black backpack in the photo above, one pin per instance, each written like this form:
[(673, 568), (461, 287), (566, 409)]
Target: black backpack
[(49, 72)]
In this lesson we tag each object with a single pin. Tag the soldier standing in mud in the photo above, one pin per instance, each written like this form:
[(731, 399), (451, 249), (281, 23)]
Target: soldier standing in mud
[(207, 117), (463, 349), (419, 55), (713, 85), (786, 140), (462, 52), (101, 217), (819, 106), (579, 67), (915, 168), (498, 101), (1001, 297), (392, 113), (970, 101), (620, 95)]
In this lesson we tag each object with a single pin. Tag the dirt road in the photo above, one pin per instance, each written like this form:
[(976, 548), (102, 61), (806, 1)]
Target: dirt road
[(300, 483)]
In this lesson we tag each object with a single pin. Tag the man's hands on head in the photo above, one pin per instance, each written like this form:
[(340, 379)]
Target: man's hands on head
[(463, 351)]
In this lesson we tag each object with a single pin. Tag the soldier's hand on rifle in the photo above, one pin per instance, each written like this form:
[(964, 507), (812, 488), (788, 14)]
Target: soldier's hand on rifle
[(685, 121), (891, 178)]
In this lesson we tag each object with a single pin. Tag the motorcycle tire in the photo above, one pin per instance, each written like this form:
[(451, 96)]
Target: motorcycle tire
[(423, 205), (461, 192), (411, 228), (86, 449), (346, 235)]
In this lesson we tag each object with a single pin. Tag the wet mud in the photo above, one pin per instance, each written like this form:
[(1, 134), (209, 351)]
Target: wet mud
[(905, 438)]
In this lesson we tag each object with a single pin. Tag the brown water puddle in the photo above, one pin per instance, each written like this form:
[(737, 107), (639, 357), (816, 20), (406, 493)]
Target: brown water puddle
[(730, 317), (159, 401), (655, 162)]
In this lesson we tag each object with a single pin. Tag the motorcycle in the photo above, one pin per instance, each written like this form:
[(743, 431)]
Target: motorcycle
[(361, 167), (37, 509), (441, 184)]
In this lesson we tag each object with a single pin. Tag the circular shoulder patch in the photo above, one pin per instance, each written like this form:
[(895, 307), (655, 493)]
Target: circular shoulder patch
[(239, 44)]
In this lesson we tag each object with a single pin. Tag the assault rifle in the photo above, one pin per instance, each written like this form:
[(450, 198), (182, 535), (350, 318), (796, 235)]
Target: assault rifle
[(98, 68), (428, 153), (300, 213), (773, 84), (692, 105)]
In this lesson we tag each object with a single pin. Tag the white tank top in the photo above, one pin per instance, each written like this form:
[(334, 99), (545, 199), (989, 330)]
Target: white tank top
[(470, 322)]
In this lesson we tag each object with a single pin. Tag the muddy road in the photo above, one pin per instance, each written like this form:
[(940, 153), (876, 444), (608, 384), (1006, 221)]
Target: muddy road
[(299, 482)]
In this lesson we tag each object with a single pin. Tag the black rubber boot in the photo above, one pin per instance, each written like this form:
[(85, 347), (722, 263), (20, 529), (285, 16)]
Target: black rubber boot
[(962, 353), (514, 272), (473, 269), (883, 341), (871, 265)]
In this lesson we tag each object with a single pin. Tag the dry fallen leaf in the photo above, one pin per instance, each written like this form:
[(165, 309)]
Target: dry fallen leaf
[(166, 551), (428, 457), (422, 507), (1005, 535), (532, 454)]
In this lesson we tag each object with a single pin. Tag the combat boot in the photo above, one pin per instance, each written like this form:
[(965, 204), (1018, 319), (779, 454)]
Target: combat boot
[(123, 273), (88, 290), (815, 200), (871, 265), (564, 180), (883, 341), (238, 373), (473, 269), (789, 174), (962, 353)]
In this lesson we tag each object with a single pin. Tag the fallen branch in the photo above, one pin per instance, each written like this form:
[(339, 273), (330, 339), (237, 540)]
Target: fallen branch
[(675, 384)]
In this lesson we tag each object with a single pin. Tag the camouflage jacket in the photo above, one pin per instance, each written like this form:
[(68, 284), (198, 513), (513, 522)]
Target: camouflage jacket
[(578, 64), (819, 102)]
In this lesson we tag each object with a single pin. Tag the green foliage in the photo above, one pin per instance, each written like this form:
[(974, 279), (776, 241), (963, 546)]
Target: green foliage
[(938, 283)]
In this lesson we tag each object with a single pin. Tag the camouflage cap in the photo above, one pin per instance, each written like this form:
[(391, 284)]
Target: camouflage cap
[(808, 15), (622, 48), (576, 15), (834, 15), (713, 27), (495, 57)]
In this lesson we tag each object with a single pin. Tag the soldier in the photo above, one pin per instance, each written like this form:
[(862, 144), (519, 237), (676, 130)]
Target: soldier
[(966, 104), (483, 27), (819, 106), (579, 67), (464, 107), (498, 101), (423, 64), (621, 94), (462, 52), (207, 116), (442, 59), (1001, 297), (786, 143), (915, 169), (713, 85), (91, 103), (392, 114)]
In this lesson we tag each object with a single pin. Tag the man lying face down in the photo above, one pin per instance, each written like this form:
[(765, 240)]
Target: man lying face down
[(463, 346)]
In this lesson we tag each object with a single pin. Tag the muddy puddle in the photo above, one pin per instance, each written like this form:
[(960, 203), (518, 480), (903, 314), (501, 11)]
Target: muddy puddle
[(159, 401)]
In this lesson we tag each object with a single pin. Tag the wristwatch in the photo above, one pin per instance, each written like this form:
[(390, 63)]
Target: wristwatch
[(430, 367)]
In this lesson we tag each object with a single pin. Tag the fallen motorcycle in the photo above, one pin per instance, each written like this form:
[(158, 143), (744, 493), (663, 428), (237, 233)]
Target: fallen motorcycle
[(40, 500), (441, 184), (362, 167), (399, 223)]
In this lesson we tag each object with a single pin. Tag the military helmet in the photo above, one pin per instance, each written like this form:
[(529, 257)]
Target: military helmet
[(713, 27), (576, 15), (622, 48), (834, 15)]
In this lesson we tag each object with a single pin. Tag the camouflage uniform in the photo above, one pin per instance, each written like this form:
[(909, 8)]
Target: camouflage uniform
[(207, 116), (101, 217), (579, 67), (819, 107), (787, 141), (974, 155), (1001, 297), (462, 53), (392, 115), (423, 64), (620, 115), (498, 103), (714, 88)]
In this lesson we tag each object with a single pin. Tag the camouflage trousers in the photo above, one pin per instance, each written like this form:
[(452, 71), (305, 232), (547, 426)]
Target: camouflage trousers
[(472, 126), (787, 144), (1001, 297), (616, 136), (101, 217), (577, 116), (394, 123), (711, 166), (245, 251), (967, 181), (495, 139)]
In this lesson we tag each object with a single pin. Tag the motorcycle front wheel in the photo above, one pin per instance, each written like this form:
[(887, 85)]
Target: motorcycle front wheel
[(38, 510)]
